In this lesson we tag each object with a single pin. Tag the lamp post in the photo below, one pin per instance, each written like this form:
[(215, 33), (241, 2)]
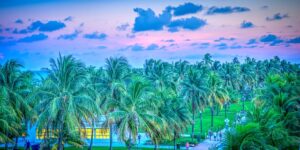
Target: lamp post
[(243, 99)]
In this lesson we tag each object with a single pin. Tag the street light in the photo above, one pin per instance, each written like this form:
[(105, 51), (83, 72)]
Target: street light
[(243, 99)]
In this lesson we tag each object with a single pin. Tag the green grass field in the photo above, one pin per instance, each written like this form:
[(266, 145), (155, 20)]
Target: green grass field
[(218, 121)]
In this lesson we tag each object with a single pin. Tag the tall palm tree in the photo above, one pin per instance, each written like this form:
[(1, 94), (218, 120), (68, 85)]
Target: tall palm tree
[(216, 94), (117, 72), (93, 89), (16, 86), (194, 88), (63, 103), (9, 122), (174, 111), (135, 112), (159, 73)]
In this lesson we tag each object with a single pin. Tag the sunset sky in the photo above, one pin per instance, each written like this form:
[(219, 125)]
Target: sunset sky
[(33, 31)]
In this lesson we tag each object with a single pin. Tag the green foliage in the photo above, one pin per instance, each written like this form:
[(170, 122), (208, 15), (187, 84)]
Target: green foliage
[(162, 99)]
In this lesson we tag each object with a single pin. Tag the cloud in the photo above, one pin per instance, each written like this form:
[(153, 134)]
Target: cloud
[(251, 42), (226, 10), (221, 46), (95, 35), (277, 16), (147, 20), (139, 47), (169, 40), (264, 7), (49, 26), (201, 45), (192, 23), (70, 36), (186, 8), (295, 40), (33, 38), (70, 18), (271, 39), (235, 46), (246, 24), (224, 39), (123, 27), (130, 36), (22, 31), (152, 47), (19, 21)]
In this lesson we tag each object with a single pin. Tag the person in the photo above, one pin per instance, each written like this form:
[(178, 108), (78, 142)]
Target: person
[(27, 145), (226, 123), (139, 137), (210, 134), (187, 145), (215, 136), (220, 135)]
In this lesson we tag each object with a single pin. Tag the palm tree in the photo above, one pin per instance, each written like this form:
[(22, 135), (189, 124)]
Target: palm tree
[(174, 111), (94, 91), (16, 88), (116, 73), (9, 122), (135, 112), (159, 73), (207, 59), (244, 137), (63, 103), (216, 94), (194, 89)]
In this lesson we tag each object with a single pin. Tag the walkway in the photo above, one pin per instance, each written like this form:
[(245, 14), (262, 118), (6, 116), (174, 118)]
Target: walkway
[(204, 145)]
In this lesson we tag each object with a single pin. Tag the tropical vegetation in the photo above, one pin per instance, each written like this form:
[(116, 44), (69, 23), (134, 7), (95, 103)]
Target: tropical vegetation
[(161, 99)]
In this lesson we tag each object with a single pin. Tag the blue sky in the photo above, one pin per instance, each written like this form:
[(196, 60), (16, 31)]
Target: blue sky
[(34, 31)]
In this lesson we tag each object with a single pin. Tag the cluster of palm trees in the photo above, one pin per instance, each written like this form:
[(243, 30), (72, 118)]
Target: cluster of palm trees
[(161, 99), (274, 122)]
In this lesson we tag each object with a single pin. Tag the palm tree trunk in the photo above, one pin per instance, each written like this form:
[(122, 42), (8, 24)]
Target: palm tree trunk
[(129, 145), (92, 135), (212, 116), (200, 123), (225, 110), (243, 105), (60, 139), (156, 146), (6, 145), (110, 136), (61, 131), (174, 139), (16, 144), (193, 125)]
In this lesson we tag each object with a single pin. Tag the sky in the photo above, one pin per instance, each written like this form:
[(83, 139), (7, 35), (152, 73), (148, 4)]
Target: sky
[(33, 31)]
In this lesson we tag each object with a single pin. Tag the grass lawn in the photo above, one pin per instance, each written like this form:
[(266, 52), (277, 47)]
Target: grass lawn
[(218, 120)]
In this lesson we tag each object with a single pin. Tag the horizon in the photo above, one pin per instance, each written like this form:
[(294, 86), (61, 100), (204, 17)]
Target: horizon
[(33, 31)]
